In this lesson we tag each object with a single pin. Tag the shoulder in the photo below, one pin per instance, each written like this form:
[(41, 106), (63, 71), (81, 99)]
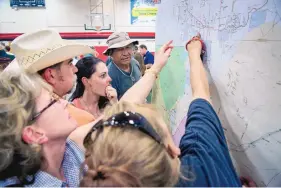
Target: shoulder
[(201, 109), (112, 70), (74, 151), (135, 63), (82, 117), (110, 66), (150, 54)]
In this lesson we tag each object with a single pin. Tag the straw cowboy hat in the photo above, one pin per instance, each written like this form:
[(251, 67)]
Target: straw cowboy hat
[(118, 40), (41, 49)]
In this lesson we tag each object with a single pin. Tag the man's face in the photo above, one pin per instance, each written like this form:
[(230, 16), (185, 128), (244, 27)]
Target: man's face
[(64, 77), (142, 51), (123, 56)]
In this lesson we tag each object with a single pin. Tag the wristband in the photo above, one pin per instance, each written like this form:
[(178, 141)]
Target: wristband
[(152, 72)]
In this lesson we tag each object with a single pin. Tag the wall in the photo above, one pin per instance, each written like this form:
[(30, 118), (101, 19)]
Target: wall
[(69, 16), (65, 15)]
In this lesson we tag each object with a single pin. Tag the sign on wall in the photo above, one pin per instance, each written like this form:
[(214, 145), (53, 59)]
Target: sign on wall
[(27, 3), (143, 12)]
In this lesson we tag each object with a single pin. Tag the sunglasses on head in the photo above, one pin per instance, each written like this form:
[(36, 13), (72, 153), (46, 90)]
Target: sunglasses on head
[(124, 119)]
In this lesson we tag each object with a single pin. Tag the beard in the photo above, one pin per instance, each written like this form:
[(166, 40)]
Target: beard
[(73, 85), (70, 92)]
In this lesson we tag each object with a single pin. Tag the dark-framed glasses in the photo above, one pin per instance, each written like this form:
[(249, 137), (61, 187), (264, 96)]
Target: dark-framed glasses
[(54, 100)]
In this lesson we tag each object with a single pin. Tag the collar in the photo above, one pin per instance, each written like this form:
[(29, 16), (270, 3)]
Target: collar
[(124, 72)]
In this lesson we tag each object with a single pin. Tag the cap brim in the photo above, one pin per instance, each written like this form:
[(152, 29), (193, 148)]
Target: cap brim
[(120, 45), (66, 51)]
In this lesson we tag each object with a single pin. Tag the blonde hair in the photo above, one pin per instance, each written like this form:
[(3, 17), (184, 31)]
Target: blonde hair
[(18, 92), (129, 157)]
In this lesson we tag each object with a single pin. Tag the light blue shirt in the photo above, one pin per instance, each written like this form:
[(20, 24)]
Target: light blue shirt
[(71, 164)]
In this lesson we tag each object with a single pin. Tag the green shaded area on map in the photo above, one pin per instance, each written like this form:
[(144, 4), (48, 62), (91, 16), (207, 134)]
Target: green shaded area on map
[(172, 77), (171, 83)]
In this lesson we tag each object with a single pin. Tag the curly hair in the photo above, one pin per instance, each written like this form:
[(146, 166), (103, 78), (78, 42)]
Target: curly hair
[(18, 92), (128, 157)]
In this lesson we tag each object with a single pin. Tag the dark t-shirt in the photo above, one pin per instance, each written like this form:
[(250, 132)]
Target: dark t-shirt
[(148, 58), (122, 80), (204, 152)]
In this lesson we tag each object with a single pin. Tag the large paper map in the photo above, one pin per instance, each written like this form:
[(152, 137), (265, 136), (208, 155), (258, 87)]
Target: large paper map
[(243, 40)]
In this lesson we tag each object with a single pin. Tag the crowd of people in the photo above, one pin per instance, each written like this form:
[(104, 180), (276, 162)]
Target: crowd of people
[(105, 134)]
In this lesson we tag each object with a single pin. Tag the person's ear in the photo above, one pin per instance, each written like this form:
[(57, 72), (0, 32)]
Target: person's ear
[(34, 135), (49, 76), (85, 81)]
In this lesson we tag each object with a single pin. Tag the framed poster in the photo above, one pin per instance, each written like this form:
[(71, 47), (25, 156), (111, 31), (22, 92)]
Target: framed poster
[(143, 12)]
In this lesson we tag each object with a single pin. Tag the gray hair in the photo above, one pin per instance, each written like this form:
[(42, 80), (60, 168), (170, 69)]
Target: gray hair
[(18, 92)]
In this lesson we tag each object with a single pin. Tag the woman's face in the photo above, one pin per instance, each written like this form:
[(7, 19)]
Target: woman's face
[(100, 79), (55, 120)]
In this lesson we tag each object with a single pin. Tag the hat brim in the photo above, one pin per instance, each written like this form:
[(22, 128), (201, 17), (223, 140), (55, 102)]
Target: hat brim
[(13, 66), (67, 51), (120, 45)]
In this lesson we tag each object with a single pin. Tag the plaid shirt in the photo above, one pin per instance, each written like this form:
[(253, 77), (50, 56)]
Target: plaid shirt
[(73, 158)]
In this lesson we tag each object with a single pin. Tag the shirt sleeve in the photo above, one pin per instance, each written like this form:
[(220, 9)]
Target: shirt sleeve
[(204, 151)]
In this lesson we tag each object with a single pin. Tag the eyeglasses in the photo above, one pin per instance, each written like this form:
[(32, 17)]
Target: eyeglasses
[(44, 109), (124, 119)]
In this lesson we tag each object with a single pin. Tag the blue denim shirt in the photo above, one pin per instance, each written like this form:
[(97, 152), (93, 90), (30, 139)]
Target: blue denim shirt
[(205, 158), (73, 158)]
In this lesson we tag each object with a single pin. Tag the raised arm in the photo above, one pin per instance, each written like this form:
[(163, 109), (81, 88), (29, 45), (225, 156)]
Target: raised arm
[(79, 134), (138, 92), (203, 145), (198, 76)]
